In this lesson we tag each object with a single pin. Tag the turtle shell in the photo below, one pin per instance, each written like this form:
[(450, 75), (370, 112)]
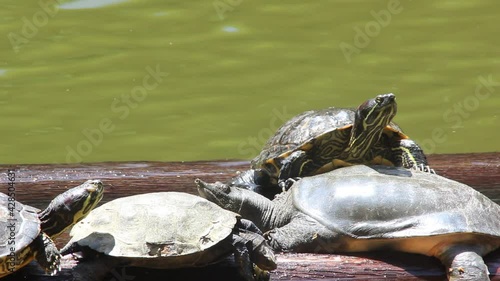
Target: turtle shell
[(407, 203), (21, 222), (175, 229), (301, 129), (310, 130)]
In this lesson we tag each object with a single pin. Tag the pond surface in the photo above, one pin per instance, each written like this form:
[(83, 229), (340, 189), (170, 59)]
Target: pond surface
[(117, 80)]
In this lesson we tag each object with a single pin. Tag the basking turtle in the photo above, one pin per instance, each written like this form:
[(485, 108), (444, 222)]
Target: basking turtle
[(166, 230), (318, 141), (361, 208), (27, 234)]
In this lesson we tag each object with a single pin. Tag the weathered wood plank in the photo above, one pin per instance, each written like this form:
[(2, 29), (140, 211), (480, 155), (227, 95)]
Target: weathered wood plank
[(370, 266), (38, 184)]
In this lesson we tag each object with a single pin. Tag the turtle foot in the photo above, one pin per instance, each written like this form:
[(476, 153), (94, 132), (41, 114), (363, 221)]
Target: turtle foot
[(424, 168), (47, 255), (261, 275), (466, 266), (469, 274), (286, 184), (253, 257)]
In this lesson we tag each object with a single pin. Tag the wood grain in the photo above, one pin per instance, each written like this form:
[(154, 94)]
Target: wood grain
[(36, 185)]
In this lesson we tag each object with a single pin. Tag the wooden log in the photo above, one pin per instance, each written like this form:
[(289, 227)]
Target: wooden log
[(36, 185), (370, 266)]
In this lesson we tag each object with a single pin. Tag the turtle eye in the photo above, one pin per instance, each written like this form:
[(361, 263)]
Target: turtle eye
[(223, 187)]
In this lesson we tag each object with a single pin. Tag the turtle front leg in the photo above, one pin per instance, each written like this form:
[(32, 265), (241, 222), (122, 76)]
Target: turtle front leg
[(287, 184), (261, 253), (47, 254), (407, 153), (242, 256), (464, 263)]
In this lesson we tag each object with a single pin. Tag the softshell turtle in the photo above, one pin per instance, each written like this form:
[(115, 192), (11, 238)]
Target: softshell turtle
[(363, 208), (318, 141), (167, 230), (27, 234)]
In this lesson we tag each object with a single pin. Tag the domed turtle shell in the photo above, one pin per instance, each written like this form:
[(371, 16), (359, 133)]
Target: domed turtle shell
[(302, 128), (27, 233), (308, 129), (150, 228), (19, 221), (405, 208)]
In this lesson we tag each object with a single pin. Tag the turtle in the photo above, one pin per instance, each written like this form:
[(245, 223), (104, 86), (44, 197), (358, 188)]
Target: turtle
[(27, 233), (318, 141), (166, 230), (368, 208)]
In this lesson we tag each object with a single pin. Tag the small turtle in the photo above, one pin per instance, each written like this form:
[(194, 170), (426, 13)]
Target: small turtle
[(27, 234), (166, 230), (318, 141), (361, 208)]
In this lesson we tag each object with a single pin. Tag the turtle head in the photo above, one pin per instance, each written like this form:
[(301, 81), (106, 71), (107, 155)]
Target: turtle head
[(226, 196), (248, 204), (371, 118), (70, 207)]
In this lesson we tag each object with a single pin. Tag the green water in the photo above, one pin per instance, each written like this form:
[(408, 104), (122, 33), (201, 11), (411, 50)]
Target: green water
[(197, 80)]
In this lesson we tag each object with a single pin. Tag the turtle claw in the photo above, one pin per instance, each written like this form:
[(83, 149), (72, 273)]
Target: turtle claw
[(77, 256), (286, 184), (424, 168), (260, 274), (54, 269)]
